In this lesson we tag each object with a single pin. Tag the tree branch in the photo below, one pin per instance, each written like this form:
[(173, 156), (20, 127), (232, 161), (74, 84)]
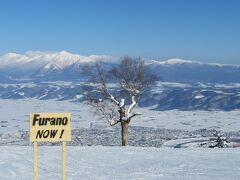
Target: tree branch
[(106, 111), (102, 81), (113, 123), (134, 114)]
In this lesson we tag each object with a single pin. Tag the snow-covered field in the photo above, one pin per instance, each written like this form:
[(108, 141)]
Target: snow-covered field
[(190, 120), (98, 162), (15, 115), (16, 163)]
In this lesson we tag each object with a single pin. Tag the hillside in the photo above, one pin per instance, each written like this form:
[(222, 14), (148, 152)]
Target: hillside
[(37, 66)]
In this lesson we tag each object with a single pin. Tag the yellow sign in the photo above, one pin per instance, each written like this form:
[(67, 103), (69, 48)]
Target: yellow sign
[(45, 127)]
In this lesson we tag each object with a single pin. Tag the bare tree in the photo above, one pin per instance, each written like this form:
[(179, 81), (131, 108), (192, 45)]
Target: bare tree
[(131, 78)]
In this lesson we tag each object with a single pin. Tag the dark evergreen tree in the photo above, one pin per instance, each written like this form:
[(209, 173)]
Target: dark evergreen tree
[(219, 141)]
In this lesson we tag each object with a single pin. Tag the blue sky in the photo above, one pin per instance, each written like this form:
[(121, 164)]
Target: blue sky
[(202, 30)]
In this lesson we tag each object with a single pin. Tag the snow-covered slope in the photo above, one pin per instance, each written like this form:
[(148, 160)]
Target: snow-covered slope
[(35, 74), (186, 71), (59, 60), (161, 96), (174, 61), (45, 65), (64, 65), (121, 163), (178, 61)]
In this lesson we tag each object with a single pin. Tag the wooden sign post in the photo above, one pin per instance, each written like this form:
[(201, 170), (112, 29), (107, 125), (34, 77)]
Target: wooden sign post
[(50, 127), (35, 160)]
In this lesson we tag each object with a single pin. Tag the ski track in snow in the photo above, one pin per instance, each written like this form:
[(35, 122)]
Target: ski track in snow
[(121, 163)]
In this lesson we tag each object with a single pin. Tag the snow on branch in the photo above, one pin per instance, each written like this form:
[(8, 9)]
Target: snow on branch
[(132, 106), (130, 113)]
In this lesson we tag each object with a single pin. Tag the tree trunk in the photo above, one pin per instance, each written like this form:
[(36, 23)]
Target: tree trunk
[(124, 126)]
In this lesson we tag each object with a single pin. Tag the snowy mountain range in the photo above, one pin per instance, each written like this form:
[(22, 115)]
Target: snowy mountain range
[(35, 65), (59, 60), (185, 71), (184, 85)]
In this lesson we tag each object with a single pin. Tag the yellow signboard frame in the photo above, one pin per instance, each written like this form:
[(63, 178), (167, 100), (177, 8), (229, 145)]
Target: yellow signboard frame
[(49, 127)]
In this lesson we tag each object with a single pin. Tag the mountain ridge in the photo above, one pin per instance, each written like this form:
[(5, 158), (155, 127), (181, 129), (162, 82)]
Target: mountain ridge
[(65, 58), (64, 65)]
